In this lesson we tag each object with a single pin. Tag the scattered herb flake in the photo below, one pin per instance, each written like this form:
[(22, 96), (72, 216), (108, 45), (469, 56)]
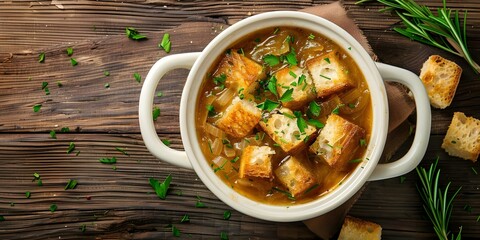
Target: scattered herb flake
[(327, 60), (220, 80), (65, 129), (132, 33), (311, 36), (175, 231), (165, 44), (39, 183), (71, 184), (467, 208), (223, 236), (363, 142), (287, 96), (53, 208), (44, 85), (291, 58), (161, 188), (288, 194), (12, 204), (59, 84), (227, 214), (272, 85), (211, 110), (268, 105), (336, 110), (155, 113), (325, 77), (107, 85), (37, 107), (474, 171), (83, 227), (159, 94), (314, 108), (2, 218), (71, 147), (185, 218), (271, 60), (106, 160), (53, 134), (199, 203), (316, 123), (291, 73), (356, 160), (41, 57), (28, 194), (137, 77), (73, 62), (166, 142), (122, 151), (70, 51), (47, 91), (106, 73), (301, 123)]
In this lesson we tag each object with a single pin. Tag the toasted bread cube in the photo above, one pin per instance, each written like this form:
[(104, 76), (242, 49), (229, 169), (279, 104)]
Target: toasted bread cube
[(295, 176), (239, 118), (256, 162), (240, 71), (299, 80), (337, 141), (283, 129), (463, 137), (440, 77), (355, 228), (328, 74)]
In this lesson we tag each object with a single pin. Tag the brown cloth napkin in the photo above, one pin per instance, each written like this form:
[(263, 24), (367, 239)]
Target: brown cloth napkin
[(400, 107)]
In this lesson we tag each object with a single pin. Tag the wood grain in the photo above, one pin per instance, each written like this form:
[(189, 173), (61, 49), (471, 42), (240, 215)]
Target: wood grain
[(118, 204)]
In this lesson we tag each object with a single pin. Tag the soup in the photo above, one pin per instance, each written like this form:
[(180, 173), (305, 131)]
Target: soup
[(284, 116)]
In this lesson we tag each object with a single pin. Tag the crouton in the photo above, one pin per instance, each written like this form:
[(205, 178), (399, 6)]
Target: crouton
[(283, 129), (239, 71), (299, 80), (256, 162), (328, 74), (463, 137), (337, 141), (355, 228), (295, 176), (239, 118), (440, 77)]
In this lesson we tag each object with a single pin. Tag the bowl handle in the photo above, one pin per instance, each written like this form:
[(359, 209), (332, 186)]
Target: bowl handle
[(422, 133), (147, 127)]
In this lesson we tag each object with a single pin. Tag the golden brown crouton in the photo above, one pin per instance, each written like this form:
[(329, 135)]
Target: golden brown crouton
[(240, 71), (355, 229), (440, 77), (463, 137), (256, 162), (295, 176), (328, 74), (239, 118), (299, 80), (283, 129), (337, 141)]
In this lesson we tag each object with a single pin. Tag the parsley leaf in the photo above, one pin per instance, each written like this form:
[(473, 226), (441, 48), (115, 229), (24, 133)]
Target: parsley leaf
[(44, 85), (71, 147), (220, 80), (175, 231), (108, 160), (41, 57), (71, 184), (314, 108), (325, 77), (199, 204), (288, 194), (223, 236), (65, 129), (69, 51), (311, 36), (53, 208), (37, 107), (155, 113), (161, 188), (73, 62), (185, 218), (2, 218), (28, 194), (287, 96), (165, 44), (166, 142), (363, 142), (271, 60), (316, 123), (301, 123), (327, 60), (268, 105), (106, 85), (291, 58), (83, 227), (211, 110), (137, 77), (272, 85), (53, 134), (227, 214), (336, 110), (106, 73), (132, 33), (122, 151)]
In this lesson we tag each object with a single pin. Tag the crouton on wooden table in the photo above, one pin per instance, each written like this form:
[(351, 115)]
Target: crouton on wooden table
[(337, 141), (239, 118), (256, 162), (463, 137), (359, 229), (440, 77), (328, 74)]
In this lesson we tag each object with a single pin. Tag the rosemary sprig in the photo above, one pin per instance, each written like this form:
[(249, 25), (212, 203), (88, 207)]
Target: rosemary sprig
[(442, 30), (436, 201)]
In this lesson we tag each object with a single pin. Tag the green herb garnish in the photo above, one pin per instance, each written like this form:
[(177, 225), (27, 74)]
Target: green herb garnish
[(272, 85), (28, 194), (106, 85), (175, 231), (83, 227), (122, 151), (220, 80), (166, 142), (53, 134), (316, 123), (137, 77), (363, 142), (69, 51), (288, 194), (436, 202), (327, 60), (402, 179), (291, 58), (2, 218), (165, 44), (314, 108), (227, 214), (358, 160), (71, 184), (301, 123), (336, 110), (311, 36), (161, 188), (155, 113), (41, 57), (185, 218), (106, 73), (323, 76), (44, 85), (211, 110), (268, 105), (106, 160), (287, 96), (223, 236), (37, 107), (271, 60), (132, 33), (73, 62), (65, 129), (199, 203), (71, 147), (53, 208), (441, 30)]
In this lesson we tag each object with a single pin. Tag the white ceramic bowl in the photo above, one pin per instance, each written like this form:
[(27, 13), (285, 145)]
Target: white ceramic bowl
[(374, 73)]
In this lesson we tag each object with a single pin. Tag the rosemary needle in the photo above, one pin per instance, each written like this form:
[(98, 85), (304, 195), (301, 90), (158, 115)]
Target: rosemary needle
[(441, 30)]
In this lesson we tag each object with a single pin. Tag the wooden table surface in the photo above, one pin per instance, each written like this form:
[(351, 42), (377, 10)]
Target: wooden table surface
[(119, 204)]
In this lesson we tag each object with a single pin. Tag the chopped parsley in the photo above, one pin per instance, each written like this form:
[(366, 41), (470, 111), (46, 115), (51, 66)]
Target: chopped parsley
[(83, 227), (301, 123), (71, 147), (234, 160), (166, 142), (363, 142), (132, 33), (44, 85), (287, 96), (106, 160), (325, 77), (59, 84), (2, 218), (220, 167), (65, 129), (28, 194), (106, 73), (271, 60), (268, 105), (314, 108), (47, 91), (220, 80), (211, 110), (37, 107), (311, 36), (327, 60), (155, 113), (53, 208), (106, 85), (175, 231), (227, 214), (185, 218), (336, 110), (159, 94), (291, 58), (316, 123), (165, 44), (240, 93), (41, 57), (70, 51), (288, 194), (272, 85), (71, 184), (137, 77), (73, 62), (161, 188), (122, 151), (199, 203), (402, 179), (53, 134), (223, 236)]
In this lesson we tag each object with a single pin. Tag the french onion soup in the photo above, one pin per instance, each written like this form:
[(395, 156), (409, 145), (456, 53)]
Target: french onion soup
[(284, 116)]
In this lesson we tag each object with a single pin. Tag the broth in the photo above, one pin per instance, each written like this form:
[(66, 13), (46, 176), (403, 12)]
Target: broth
[(281, 156)]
